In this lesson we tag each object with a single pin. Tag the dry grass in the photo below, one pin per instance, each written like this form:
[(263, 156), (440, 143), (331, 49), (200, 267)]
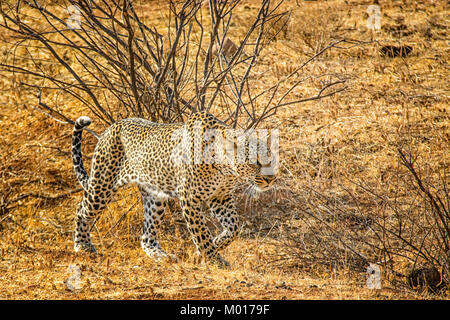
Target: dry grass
[(324, 145)]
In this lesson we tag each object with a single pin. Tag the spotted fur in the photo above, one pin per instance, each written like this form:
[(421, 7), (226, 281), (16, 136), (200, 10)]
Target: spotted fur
[(148, 154)]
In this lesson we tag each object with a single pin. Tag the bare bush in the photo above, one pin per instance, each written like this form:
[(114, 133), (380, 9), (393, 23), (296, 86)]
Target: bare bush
[(403, 228), (419, 231), (119, 64)]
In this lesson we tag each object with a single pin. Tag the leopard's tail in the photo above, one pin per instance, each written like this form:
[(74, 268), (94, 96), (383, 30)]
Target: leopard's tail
[(80, 172)]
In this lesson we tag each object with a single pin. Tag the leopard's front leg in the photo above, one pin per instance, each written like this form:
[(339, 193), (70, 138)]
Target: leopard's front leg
[(225, 211), (201, 235)]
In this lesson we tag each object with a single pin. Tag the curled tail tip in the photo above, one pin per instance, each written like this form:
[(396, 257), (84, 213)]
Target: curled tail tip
[(82, 122)]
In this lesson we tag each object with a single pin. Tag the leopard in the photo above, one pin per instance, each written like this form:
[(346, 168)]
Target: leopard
[(160, 159)]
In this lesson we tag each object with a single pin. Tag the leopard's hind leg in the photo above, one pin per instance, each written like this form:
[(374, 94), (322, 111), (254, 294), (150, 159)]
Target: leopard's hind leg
[(154, 210), (99, 187), (95, 200)]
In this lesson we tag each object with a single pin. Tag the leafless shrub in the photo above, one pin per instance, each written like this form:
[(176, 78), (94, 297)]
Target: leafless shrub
[(403, 228), (410, 229), (118, 65), (324, 230), (419, 231)]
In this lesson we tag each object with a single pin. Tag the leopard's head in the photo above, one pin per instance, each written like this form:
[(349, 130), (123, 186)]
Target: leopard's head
[(254, 164), (250, 156), (260, 176)]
